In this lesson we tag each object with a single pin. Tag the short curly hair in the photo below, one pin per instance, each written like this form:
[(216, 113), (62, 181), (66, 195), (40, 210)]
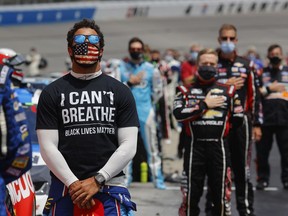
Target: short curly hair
[(85, 23)]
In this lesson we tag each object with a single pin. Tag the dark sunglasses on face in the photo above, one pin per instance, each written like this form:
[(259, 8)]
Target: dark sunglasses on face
[(93, 39), (226, 38)]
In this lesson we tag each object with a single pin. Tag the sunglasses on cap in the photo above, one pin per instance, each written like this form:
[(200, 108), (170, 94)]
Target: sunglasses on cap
[(226, 38), (93, 39)]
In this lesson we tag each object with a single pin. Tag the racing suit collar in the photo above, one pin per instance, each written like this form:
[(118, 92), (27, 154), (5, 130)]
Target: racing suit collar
[(280, 67), (204, 84), (86, 76), (135, 64), (231, 58)]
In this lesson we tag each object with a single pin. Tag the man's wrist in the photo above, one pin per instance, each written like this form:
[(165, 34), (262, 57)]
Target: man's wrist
[(129, 83), (99, 179), (203, 105)]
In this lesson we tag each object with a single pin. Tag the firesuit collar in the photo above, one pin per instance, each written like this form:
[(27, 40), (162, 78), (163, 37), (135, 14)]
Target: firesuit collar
[(230, 58), (134, 64), (204, 84), (88, 76)]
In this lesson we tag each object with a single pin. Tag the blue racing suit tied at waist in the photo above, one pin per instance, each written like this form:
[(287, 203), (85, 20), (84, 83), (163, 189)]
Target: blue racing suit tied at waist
[(59, 191), (121, 194)]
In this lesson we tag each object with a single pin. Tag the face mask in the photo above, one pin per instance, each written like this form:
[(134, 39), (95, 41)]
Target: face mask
[(155, 61), (275, 60), (86, 54), (193, 56), (136, 55), (252, 57), (227, 47), (168, 58), (207, 72)]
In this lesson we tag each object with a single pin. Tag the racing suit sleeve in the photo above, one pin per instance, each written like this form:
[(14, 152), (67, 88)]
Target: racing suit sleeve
[(48, 141), (124, 73), (237, 111), (127, 139), (254, 97), (157, 84), (187, 109)]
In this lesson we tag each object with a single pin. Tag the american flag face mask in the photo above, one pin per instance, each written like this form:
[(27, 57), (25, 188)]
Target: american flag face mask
[(86, 53)]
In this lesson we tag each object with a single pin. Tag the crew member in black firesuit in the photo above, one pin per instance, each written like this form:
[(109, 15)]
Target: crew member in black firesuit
[(236, 70), (274, 82), (207, 106)]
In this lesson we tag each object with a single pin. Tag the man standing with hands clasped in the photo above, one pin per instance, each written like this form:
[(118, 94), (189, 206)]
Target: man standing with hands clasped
[(87, 128)]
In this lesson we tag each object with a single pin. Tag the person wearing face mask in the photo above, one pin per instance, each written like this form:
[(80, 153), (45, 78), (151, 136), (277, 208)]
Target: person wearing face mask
[(209, 108), (254, 56), (274, 91), (239, 71), (187, 74), (146, 85), (189, 68), (162, 111), (87, 128)]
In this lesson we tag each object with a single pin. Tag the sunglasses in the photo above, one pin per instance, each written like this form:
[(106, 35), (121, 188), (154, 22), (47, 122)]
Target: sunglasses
[(93, 39), (226, 38)]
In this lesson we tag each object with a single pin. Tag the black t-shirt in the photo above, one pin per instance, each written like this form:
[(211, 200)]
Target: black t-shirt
[(87, 114)]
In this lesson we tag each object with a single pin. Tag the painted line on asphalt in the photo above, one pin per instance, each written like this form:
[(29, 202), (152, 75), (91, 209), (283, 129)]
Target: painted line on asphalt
[(233, 188)]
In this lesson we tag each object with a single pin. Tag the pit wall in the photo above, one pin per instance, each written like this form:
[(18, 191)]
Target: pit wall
[(123, 10)]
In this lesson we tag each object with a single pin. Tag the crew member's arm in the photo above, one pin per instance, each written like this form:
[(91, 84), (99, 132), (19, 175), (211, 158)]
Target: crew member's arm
[(272, 87), (238, 82), (157, 86), (237, 111), (127, 139), (48, 141), (184, 109), (127, 77), (254, 102)]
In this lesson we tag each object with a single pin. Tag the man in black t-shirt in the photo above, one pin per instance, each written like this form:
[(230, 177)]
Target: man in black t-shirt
[(87, 128)]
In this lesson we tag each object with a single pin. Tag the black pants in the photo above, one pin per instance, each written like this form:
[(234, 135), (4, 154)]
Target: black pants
[(209, 158), (240, 141), (263, 148)]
